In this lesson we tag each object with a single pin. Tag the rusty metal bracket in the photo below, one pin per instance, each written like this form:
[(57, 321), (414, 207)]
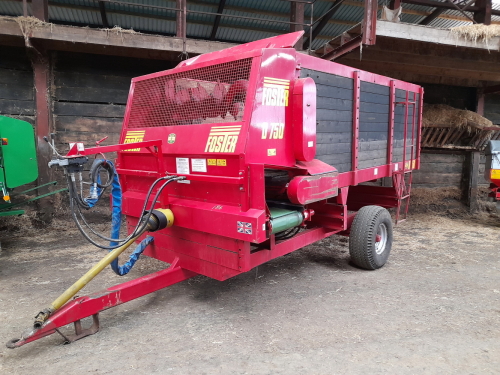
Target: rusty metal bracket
[(81, 333)]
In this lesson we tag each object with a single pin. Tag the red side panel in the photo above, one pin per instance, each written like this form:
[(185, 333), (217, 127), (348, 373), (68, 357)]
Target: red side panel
[(280, 41), (304, 119)]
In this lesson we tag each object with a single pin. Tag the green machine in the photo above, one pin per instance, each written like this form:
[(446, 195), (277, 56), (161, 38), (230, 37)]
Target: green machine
[(18, 164)]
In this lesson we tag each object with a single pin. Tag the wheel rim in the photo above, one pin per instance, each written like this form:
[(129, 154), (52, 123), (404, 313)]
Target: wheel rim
[(382, 234)]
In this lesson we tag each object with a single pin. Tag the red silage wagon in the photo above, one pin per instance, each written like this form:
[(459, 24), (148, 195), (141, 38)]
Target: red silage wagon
[(270, 149)]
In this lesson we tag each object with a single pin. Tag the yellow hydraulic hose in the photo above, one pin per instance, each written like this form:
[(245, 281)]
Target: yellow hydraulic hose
[(154, 224), (84, 280)]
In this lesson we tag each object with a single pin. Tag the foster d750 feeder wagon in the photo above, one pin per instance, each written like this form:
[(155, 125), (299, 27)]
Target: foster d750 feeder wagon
[(251, 153)]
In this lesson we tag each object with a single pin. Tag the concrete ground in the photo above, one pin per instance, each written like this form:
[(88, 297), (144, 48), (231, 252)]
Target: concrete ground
[(433, 309)]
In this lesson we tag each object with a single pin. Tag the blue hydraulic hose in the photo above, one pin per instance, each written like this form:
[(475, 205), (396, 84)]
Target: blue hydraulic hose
[(116, 222)]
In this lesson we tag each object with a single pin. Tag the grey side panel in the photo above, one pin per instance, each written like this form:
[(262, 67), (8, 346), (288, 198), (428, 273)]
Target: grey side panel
[(334, 118), (373, 125)]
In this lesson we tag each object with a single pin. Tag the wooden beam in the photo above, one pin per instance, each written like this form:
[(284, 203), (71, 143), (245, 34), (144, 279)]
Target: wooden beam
[(40, 9), (431, 17), (220, 9), (324, 21), (394, 4), (480, 101), (429, 34), (462, 67), (470, 180), (297, 17), (61, 37), (491, 89), (394, 66), (431, 50), (40, 62), (181, 19), (447, 5), (104, 18), (483, 15), (369, 25), (25, 8)]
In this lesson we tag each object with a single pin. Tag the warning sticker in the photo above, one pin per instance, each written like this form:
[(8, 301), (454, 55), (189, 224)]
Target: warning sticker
[(212, 161), (199, 165), (221, 162), (182, 165), (245, 228)]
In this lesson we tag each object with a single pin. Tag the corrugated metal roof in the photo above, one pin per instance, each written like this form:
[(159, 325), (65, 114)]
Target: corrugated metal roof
[(147, 16)]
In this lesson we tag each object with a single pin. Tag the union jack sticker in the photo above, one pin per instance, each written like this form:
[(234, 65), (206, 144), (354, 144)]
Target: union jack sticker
[(245, 228)]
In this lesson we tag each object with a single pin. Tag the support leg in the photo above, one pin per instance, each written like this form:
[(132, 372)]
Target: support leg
[(91, 305)]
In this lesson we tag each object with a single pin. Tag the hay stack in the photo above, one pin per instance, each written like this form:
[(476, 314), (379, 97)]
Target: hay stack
[(442, 114), (477, 32)]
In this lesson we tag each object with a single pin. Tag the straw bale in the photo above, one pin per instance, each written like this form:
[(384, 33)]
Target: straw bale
[(477, 32), (442, 114)]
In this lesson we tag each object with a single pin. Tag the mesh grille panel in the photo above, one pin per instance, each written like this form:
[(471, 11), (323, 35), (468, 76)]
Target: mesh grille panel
[(213, 94)]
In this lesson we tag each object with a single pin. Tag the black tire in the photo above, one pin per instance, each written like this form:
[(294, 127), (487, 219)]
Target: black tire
[(365, 251)]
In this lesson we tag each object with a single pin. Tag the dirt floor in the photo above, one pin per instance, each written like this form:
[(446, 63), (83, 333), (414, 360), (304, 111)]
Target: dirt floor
[(434, 309)]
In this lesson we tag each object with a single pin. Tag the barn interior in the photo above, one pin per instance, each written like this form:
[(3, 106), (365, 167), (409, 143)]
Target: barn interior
[(66, 68)]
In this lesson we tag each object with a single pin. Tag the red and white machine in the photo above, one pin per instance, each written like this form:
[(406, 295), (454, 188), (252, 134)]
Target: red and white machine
[(274, 148)]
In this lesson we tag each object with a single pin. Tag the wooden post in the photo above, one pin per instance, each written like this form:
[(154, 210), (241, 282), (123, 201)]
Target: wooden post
[(470, 179), (40, 62), (480, 101), (40, 9), (394, 4), (297, 16), (369, 25), (181, 19), (484, 14)]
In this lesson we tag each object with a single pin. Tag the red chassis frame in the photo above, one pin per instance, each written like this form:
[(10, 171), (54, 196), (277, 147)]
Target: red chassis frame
[(208, 205)]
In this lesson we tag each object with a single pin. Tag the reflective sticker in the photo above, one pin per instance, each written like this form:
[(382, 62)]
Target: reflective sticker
[(310, 144), (243, 227), (375, 171), (223, 138), (275, 92), (133, 136), (495, 174), (274, 130)]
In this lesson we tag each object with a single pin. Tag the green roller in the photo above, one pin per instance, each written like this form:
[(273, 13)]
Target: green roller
[(282, 219)]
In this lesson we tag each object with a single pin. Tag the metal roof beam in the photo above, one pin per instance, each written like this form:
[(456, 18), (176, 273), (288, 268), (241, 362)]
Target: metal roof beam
[(297, 17), (324, 21), (220, 9), (431, 17), (104, 18)]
